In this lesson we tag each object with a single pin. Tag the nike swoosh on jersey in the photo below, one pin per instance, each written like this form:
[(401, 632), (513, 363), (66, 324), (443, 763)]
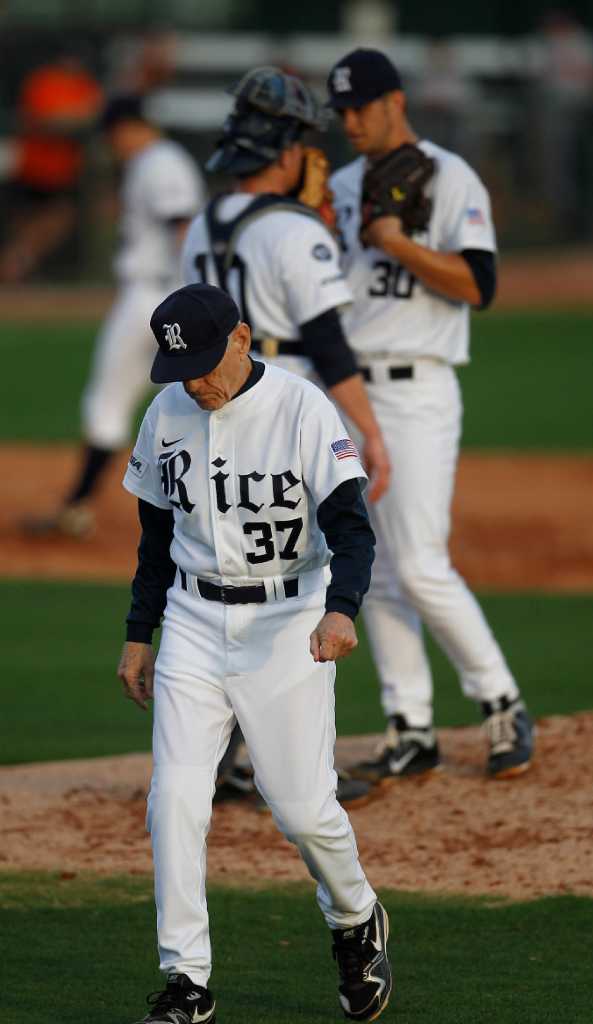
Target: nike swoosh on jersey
[(169, 444)]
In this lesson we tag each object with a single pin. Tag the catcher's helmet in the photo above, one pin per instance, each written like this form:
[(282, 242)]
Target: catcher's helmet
[(271, 111)]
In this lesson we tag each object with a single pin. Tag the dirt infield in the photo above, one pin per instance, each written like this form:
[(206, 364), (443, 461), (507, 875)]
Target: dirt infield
[(455, 831), (520, 521)]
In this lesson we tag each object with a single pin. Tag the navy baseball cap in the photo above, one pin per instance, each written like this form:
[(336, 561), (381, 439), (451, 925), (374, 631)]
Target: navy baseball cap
[(361, 77), (192, 327)]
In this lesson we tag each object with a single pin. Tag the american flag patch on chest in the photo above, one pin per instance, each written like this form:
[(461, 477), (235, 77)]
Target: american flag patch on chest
[(344, 449)]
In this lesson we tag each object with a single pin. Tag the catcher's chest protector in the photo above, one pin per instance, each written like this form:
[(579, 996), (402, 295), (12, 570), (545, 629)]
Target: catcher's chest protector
[(224, 234)]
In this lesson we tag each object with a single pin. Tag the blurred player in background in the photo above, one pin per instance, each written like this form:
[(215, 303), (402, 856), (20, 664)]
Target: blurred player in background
[(57, 105), (161, 191)]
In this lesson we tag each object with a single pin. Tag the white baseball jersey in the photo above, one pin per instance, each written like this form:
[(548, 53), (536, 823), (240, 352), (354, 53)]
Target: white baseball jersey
[(286, 269), (162, 183), (245, 482), (393, 313)]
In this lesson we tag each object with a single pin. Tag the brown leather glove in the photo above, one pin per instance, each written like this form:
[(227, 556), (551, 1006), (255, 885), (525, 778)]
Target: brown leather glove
[(315, 190), (393, 187)]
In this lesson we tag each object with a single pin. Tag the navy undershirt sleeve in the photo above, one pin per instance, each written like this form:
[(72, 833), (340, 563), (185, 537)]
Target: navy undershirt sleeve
[(344, 521), (325, 344), (482, 264), (154, 575)]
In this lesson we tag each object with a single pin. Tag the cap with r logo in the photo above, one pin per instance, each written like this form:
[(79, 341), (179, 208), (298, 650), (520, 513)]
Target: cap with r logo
[(192, 327)]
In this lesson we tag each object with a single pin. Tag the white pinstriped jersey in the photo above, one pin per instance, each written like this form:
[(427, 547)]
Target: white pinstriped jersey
[(393, 313), (245, 482)]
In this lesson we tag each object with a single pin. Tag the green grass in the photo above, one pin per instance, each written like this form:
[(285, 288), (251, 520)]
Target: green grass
[(47, 367), (544, 640), (528, 385), (60, 694), (83, 950), (61, 698)]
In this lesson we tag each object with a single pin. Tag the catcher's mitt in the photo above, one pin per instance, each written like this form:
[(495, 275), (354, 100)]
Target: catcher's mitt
[(393, 187), (314, 189)]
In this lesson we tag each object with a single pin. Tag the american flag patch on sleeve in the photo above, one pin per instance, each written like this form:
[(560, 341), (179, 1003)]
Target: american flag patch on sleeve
[(344, 449), (475, 216)]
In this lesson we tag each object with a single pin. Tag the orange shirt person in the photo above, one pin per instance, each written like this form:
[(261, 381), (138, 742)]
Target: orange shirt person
[(56, 102)]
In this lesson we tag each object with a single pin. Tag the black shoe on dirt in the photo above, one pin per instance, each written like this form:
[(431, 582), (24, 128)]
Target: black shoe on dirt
[(510, 734), (365, 971), (351, 792), (181, 1002), (408, 750), (237, 784)]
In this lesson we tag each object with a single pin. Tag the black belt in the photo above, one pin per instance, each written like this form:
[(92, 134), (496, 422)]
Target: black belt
[(255, 594), (274, 347), (394, 372)]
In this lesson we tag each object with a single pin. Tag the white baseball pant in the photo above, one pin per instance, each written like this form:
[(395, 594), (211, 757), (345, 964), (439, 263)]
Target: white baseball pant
[(413, 580), (218, 663), (120, 370)]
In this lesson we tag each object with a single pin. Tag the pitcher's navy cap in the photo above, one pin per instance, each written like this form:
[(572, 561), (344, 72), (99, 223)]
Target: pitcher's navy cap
[(360, 77), (192, 327)]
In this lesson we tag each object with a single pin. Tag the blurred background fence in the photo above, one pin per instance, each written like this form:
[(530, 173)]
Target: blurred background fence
[(508, 86)]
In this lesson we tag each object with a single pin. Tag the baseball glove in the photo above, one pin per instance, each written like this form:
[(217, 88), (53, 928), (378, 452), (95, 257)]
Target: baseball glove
[(314, 190), (393, 187)]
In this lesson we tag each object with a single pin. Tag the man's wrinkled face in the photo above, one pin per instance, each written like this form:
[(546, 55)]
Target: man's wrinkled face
[(213, 391)]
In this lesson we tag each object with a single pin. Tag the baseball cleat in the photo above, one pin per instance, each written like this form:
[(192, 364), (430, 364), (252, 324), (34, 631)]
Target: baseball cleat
[(510, 733), (75, 521), (364, 968), (351, 792), (237, 784), (406, 751), (181, 1002)]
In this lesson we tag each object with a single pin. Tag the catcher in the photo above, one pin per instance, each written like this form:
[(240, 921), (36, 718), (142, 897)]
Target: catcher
[(269, 243)]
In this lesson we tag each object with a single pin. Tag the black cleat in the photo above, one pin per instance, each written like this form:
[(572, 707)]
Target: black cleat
[(351, 792), (510, 734), (181, 1002), (237, 784), (408, 751), (365, 971)]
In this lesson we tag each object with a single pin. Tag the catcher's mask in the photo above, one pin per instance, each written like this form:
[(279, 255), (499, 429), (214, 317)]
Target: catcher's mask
[(272, 110)]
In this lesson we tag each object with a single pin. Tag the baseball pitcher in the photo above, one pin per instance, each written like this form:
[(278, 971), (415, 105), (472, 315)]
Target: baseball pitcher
[(419, 252)]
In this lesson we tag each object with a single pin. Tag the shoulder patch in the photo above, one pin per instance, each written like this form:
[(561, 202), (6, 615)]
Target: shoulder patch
[(321, 251), (137, 465), (344, 448), (475, 216)]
